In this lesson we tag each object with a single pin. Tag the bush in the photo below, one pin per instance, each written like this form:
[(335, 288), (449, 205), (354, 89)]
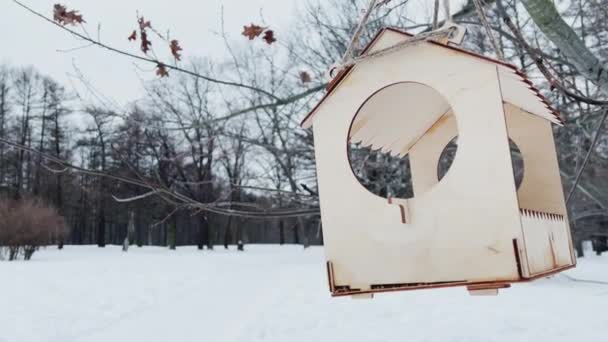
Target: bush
[(26, 225)]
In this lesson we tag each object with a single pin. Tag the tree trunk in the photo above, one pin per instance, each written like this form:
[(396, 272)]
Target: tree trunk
[(149, 236), (171, 234), (13, 253), (130, 232), (227, 235), (101, 228), (281, 232), (240, 239), (548, 20), (204, 234), (578, 245), (304, 228), (296, 234), (200, 238), (139, 235)]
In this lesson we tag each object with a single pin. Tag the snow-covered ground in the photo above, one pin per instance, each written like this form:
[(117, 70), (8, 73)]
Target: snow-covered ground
[(272, 293)]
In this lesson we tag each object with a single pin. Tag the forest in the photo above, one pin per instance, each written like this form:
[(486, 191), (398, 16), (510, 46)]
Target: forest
[(213, 154)]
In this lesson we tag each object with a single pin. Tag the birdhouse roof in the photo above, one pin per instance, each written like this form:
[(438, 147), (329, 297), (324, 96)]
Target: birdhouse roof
[(516, 88)]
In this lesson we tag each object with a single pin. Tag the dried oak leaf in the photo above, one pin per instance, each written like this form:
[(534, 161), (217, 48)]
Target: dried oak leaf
[(145, 43), (305, 77), (269, 37), (175, 49), (133, 36), (252, 31), (65, 17), (143, 24), (161, 70)]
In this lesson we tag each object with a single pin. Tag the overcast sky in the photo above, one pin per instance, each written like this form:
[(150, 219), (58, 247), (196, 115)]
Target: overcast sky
[(28, 40)]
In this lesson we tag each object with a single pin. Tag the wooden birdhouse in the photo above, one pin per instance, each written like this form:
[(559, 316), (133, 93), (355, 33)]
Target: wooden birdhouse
[(475, 227)]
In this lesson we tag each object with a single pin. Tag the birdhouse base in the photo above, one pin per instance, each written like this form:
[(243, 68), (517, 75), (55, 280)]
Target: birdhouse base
[(486, 292), (474, 288), (487, 289)]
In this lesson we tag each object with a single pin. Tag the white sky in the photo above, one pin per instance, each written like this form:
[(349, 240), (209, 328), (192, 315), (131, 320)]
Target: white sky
[(28, 40)]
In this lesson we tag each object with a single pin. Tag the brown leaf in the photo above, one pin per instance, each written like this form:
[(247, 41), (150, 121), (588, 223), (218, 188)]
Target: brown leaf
[(161, 70), (252, 31), (145, 43), (143, 24), (175, 49), (269, 37), (305, 77), (133, 36), (65, 17)]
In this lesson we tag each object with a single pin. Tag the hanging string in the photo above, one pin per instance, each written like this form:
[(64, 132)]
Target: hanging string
[(435, 15), (349, 60), (438, 34), (446, 10), (484, 21), (358, 31)]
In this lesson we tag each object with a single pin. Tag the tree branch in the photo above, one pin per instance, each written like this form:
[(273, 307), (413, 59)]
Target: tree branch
[(548, 20), (538, 60), (145, 59), (598, 132)]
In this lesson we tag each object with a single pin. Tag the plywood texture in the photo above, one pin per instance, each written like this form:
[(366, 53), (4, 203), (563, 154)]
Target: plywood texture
[(466, 229)]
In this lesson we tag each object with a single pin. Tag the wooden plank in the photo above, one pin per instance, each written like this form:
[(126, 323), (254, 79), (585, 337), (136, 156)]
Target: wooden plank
[(486, 292)]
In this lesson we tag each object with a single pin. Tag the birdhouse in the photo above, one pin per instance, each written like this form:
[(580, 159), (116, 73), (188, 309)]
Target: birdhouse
[(475, 226)]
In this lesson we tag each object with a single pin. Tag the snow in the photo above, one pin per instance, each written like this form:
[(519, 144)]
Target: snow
[(272, 293)]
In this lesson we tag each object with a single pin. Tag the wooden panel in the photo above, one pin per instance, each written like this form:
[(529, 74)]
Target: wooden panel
[(537, 239), (541, 188), (560, 233), (518, 93), (424, 156), (546, 238)]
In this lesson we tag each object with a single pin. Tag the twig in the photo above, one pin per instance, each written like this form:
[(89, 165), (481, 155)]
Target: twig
[(65, 169), (180, 199), (435, 15), (484, 20), (309, 190), (98, 43), (166, 218), (134, 198), (539, 61), (348, 54), (582, 168)]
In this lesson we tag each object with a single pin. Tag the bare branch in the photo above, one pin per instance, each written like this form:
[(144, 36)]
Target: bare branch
[(134, 198), (154, 61)]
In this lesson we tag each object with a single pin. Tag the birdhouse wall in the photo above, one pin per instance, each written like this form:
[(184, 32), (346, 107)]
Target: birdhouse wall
[(547, 237), (541, 188), (461, 228)]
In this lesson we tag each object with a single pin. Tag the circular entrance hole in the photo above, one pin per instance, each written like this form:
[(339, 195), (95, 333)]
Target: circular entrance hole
[(384, 129)]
